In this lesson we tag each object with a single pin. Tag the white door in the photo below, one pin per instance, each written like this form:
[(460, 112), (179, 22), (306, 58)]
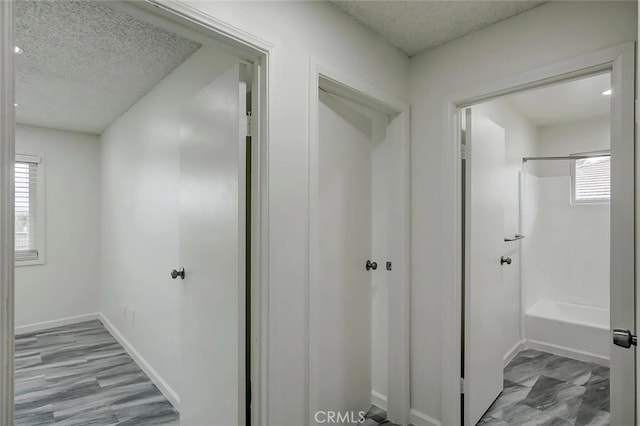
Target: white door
[(341, 297), (212, 254), (623, 239), (484, 242)]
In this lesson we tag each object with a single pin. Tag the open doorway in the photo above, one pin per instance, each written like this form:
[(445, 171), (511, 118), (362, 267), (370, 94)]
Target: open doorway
[(545, 156), (137, 206), (537, 255)]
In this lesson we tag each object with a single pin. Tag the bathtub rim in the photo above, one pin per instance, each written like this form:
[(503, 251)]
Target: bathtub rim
[(599, 326)]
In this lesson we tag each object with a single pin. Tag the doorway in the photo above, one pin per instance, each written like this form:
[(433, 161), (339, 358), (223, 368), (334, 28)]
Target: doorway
[(162, 130), (358, 270), (545, 171)]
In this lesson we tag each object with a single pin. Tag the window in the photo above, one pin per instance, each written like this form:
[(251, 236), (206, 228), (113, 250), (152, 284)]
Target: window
[(29, 210), (591, 179)]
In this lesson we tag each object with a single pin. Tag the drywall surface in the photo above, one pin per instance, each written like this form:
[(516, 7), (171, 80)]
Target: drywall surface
[(520, 141), (67, 284), (302, 33), (566, 257), (570, 138), (140, 215), (550, 33)]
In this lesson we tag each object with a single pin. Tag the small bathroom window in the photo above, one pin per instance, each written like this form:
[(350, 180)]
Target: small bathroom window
[(591, 178)]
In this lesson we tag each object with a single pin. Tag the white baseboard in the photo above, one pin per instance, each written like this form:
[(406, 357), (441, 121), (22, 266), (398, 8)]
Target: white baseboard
[(164, 387), (29, 328), (379, 400), (511, 353), (568, 352), (416, 418)]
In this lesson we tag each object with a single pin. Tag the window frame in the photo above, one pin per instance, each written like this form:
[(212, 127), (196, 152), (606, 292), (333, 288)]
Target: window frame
[(40, 234), (573, 179)]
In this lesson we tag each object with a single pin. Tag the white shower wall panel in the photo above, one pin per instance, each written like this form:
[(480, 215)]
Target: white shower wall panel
[(566, 249)]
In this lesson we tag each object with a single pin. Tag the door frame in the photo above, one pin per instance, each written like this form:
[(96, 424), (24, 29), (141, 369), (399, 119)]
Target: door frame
[(620, 60), (241, 44), (354, 89)]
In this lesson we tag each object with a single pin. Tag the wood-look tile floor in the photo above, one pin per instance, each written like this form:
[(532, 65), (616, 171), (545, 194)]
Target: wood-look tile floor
[(80, 375), (545, 389), (376, 417)]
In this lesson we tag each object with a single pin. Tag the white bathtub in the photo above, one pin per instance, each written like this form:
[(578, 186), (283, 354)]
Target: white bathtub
[(569, 329)]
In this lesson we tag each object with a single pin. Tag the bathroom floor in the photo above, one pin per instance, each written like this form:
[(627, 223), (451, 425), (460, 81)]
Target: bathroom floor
[(80, 375), (545, 389)]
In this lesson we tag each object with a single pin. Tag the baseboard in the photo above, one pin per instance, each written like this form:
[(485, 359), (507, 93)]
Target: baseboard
[(379, 400), (164, 387), (416, 418), (568, 352), (29, 328), (511, 353)]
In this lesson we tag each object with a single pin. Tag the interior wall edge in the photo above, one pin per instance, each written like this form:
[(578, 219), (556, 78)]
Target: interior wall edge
[(511, 354)]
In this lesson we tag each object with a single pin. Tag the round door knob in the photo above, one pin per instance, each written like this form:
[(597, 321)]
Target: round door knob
[(371, 265), (177, 273), (504, 260)]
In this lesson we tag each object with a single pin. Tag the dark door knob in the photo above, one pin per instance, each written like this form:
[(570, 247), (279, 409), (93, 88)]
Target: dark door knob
[(177, 273), (624, 338), (371, 265), (504, 260)]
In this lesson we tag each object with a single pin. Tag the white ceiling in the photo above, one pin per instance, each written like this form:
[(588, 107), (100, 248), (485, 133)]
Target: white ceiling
[(84, 64), (566, 102), (415, 26)]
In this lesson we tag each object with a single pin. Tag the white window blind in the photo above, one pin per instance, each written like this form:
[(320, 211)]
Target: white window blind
[(26, 208), (592, 179)]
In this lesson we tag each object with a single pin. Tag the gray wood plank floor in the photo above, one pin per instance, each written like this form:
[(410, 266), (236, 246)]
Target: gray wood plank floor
[(376, 417), (80, 375)]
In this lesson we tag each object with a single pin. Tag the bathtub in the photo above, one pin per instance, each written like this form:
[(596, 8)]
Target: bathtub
[(569, 329)]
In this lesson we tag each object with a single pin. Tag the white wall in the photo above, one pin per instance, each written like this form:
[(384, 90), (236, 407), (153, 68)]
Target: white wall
[(569, 138), (566, 253), (520, 141), (67, 284), (300, 32), (552, 32), (140, 205)]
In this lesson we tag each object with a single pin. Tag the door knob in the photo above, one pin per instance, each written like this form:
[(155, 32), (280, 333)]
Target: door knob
[(504, 260), (177, 273), (371, 265), (624, 338)]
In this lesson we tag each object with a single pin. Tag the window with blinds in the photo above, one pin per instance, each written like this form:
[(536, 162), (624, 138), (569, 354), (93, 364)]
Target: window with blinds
[(591, 179), (26, 208)]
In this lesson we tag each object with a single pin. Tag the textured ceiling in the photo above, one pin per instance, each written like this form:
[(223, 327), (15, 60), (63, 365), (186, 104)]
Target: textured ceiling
[(84, 64), (566, 102), (415, 26)]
